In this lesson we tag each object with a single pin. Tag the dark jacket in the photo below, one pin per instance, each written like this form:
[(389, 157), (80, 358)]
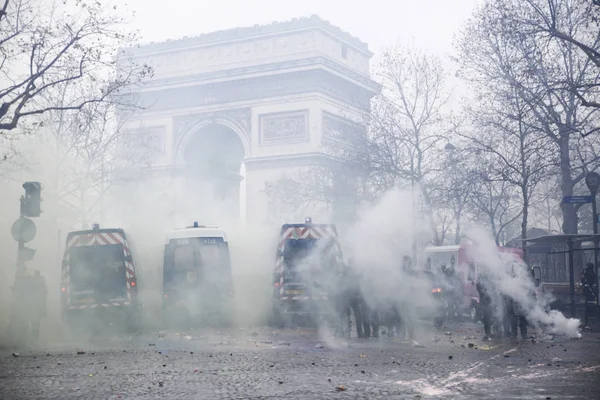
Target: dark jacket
[(485, 298), (589, 283)]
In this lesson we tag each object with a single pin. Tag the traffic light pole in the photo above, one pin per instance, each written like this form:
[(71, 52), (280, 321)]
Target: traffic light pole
[(20, 270)]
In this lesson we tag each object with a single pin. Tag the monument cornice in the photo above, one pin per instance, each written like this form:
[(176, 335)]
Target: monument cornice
[(267, 70), (272, 86), (287, 160), (252, 33)]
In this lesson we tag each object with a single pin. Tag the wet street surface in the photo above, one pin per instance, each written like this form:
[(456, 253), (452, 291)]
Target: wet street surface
[(262, 363)]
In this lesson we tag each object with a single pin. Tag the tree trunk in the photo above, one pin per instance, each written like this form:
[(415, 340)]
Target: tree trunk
[(570, 218), (458, 226), (524, 226)]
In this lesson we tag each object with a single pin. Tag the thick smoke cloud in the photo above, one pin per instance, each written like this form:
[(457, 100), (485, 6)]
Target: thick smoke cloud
[(511, 277), (377, 243)]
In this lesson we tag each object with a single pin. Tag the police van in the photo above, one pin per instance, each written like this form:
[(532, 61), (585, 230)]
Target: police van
[(99, 280), (197, 282), (307, 260)]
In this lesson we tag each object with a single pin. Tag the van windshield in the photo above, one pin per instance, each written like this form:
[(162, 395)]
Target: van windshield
[(98, 271)]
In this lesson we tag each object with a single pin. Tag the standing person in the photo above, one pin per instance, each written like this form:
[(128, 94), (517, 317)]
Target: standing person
[(370, 320), (507, 315), (485, 302), (453, 293), (517, 320), (589, 282), (355, 303), (348, 302)]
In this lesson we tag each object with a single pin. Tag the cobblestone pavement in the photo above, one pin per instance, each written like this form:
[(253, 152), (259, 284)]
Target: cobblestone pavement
[(260, 363)]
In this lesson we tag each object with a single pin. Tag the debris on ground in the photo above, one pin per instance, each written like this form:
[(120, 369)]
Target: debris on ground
[(161, 334), (340, 388), (471, 345), (363, 356), (161, 384), (449, 357)]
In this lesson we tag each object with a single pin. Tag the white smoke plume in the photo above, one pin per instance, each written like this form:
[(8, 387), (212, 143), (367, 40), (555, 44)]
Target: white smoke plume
[(510, 276)]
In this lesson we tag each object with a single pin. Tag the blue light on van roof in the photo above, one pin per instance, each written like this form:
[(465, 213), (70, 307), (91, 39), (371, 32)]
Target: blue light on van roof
[(195, 224)]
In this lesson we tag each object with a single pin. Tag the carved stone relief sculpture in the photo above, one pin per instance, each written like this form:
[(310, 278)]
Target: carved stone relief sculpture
[(340, 129), (284, 127)]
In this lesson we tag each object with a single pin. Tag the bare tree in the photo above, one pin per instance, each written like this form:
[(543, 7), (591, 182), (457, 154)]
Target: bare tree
[(94, 147), (501, 58), (49, 46), (494, 202), (456, 184), (402, 147), (574, 22), (407, 125)]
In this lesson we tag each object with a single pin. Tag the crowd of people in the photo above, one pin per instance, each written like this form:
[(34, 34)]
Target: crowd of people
[(356, 296), (502, 315)]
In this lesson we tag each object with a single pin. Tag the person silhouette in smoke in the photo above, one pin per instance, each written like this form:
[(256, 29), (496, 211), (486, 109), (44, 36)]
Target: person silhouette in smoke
[(348, 302), (589, 282), (403, 315), (369, 306), (516, 314), (485, 303), (370, 319), (504, 324), (453, 291)]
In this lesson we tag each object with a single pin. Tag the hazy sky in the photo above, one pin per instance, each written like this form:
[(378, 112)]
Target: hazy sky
[(380, 23)]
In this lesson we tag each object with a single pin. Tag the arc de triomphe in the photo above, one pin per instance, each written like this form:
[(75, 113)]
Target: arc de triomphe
[(265, 97)]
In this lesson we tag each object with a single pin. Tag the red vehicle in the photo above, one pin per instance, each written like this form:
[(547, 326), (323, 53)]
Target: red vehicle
[(461, 258)]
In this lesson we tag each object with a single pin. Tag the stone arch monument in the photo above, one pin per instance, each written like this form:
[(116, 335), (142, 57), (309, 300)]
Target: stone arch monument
[(267, 97)]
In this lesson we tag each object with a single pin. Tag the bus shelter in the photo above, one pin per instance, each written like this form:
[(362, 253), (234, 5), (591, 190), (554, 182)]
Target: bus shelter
[(565, 256)]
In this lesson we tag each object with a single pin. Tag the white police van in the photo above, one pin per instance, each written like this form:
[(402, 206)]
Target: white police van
[(197, 280)]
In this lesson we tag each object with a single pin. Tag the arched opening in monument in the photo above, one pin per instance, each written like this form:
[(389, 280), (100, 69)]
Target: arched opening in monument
[(215, 157)]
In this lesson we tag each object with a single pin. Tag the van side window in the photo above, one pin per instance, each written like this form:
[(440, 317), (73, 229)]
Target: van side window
[(472, 274)]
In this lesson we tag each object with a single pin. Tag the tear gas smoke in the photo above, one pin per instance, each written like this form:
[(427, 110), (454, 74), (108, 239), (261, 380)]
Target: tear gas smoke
[(380, 241), (153, 207), (509, 276), (377, 244)]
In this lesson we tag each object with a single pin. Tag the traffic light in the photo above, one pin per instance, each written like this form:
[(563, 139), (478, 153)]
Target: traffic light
[(33, 199), (26, 254)]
